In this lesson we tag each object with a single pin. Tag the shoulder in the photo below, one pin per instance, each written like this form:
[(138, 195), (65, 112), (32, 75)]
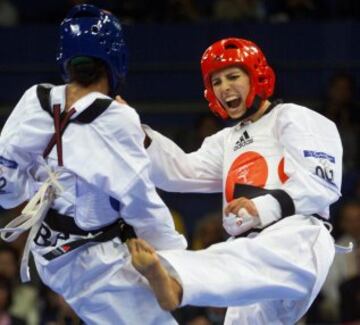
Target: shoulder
[(291, 109), (216, 141), (124, 114), (219, 135), (36, 89), (125, 110), (27, 106), (290, 113), (119, 119), (32, 92), (95, 107)]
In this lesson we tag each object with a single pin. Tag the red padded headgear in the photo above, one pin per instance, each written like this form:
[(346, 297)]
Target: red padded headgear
[(248, 56)]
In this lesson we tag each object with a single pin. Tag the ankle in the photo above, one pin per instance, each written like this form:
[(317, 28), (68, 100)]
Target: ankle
[(154, 272), (172, 299)]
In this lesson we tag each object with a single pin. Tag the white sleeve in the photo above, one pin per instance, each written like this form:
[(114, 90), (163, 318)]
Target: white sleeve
[(147, 213), (174, 170), (16, 183), (117, 162), (313, 163), (29, 128)]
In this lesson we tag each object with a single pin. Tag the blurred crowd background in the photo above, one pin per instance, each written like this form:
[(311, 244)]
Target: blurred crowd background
[(15, 12), (314, 47)]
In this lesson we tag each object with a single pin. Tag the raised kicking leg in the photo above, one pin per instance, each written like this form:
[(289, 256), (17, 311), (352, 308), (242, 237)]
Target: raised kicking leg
[(167, 290)]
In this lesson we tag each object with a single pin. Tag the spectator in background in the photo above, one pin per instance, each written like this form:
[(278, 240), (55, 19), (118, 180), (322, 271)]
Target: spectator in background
[(345, 266), (161, 10), (345, 9), (8, 261), (6, 293), (50, 12), (200, 315), (350, 301), (5, 217), (37, 11), (9, 16), (205, 125), (55, 310), (132, 11), (208, 231), (239, 10), (357, 187), (340, 106), (288, 10), (179, 222), (205, 8), (22, 305), (182, 10)]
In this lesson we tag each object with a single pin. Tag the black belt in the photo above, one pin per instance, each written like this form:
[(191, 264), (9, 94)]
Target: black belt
[(258, 230), (65, 224)]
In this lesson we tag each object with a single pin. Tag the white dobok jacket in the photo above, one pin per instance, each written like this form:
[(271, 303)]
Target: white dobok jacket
[(291, 149), (289, 163), (105, 176)]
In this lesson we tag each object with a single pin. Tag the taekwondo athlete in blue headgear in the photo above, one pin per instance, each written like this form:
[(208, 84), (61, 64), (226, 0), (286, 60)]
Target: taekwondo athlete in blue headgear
[(77, 156), (90, 32)]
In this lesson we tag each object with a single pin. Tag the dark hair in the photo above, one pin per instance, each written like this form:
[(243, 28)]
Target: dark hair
[(86, 70)]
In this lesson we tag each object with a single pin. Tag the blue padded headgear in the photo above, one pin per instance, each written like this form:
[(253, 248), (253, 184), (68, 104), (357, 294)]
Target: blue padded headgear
[(91, 32)]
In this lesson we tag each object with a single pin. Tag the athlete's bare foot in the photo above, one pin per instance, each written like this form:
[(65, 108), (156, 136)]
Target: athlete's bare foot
[(143, 257), (167, 290)]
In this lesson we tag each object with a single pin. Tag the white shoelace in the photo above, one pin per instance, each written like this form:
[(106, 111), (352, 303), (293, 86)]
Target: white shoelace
[(31, 217)]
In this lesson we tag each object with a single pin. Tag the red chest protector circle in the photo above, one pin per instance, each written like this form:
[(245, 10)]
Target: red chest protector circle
[(250, 168)]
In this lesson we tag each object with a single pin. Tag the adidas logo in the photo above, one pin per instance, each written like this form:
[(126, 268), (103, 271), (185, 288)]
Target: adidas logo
[(244, 140)]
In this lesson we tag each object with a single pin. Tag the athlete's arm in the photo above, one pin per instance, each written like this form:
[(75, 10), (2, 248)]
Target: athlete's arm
[(176, 171), (17, 144)]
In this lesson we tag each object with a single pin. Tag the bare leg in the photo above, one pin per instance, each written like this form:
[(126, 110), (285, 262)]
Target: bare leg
[(167, 290)]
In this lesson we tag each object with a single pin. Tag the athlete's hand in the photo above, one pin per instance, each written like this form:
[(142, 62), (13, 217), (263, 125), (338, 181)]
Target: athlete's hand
[(235, 205), (120, 100), (240, 216)]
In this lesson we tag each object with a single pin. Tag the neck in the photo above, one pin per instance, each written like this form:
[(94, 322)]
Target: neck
[(261, 111), (75, 91)]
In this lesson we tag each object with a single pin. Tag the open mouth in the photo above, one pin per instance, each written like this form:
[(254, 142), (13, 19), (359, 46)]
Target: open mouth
[(233, 103)]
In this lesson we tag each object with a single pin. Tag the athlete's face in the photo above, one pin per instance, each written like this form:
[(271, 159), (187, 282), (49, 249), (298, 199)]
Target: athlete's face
[(231, 87)]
